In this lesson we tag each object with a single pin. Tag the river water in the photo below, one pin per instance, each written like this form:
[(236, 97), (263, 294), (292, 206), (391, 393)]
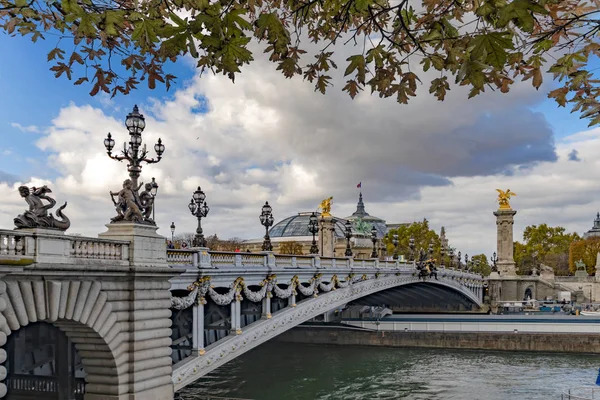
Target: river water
[(278, 371)]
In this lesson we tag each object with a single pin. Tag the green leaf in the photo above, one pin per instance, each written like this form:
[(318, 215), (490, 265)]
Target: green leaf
[(357, 62), (491, 48)]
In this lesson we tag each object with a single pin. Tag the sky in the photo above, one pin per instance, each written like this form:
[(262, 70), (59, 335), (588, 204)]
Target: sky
[(267, 138)]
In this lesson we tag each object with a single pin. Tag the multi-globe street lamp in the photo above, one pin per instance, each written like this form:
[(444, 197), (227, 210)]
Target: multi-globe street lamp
[(395, 243), (451, 257), (430, 248), (199, 208), (494, 260), (459, 260), (266, 219), (172, 231), (348, 235), (313, 228), (135, 154), (374, 240), (466, 262)]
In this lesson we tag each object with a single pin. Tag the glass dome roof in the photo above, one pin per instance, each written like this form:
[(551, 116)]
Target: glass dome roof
[(297, 225)]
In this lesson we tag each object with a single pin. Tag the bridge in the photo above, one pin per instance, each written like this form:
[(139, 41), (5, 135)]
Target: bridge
[(146, 321)]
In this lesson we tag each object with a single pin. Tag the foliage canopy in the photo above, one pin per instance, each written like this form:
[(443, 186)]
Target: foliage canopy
[(113, 45), (545, 244)]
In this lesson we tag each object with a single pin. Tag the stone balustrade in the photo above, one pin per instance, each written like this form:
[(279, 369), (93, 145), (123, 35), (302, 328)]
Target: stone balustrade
[(20, 247)]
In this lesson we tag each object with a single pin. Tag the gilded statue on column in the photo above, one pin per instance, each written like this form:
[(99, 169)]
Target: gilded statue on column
[(504, 199), (325, 207)]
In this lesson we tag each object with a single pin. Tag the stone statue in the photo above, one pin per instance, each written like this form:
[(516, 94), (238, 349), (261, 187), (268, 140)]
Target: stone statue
[(37, 216), (503, 198), (580, 265), (325, 207), (147, 201), (361, 226), (129, 205)]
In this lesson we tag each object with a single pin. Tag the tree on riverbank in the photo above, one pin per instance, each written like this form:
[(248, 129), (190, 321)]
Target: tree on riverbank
[(422, 235), (544, 244), (116, 45)]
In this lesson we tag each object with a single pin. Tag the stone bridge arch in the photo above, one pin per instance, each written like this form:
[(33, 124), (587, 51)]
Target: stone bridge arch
[(80, 309)]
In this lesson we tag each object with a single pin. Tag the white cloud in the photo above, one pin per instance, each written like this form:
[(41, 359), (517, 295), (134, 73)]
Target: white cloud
[(26, 129)]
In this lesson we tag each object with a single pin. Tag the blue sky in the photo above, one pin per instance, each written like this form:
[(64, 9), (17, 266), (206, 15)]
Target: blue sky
[(33, 96)]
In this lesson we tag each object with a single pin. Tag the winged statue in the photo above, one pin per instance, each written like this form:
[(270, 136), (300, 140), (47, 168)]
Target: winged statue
[(504, 198), (325, 207)]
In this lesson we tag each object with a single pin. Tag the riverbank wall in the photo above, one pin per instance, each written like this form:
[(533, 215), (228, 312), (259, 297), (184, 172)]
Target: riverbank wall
[(500, 341)]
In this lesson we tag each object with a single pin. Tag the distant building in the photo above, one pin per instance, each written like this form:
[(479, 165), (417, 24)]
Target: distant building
[(295, 229), (595, 231)]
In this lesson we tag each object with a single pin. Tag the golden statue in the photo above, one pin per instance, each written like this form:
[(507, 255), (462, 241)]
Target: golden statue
[(325, 207), (503, 198)]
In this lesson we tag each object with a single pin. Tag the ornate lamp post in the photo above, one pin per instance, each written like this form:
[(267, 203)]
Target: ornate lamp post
[(313, 228), (442, 254), (430, 248), (494, 260), (266, 219), (395, 243), (153, 193), (466, 262), (411, 245), (199, 208), (459, 260), (348, 234), (135, 154), (374, 240), (451, 254), (172, 231)]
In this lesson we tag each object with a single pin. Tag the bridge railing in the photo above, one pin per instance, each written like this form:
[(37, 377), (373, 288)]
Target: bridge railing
[(26, 247), (202, 258)]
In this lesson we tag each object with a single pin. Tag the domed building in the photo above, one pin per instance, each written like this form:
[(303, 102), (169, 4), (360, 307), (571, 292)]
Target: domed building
[(294, 229)]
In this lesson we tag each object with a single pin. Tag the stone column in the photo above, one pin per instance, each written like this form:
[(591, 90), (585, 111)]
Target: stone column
[(504, 224), (292, 301), (266, 306), (326, 236), (198, 334)]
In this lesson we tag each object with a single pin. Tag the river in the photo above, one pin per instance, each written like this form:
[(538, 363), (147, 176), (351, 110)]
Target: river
[(277, 371)]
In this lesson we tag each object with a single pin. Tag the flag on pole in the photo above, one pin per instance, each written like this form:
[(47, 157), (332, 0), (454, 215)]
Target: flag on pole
[(359, 185), (598, 378)]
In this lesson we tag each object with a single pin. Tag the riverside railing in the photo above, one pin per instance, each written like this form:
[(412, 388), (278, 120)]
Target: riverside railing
[(581, 393)]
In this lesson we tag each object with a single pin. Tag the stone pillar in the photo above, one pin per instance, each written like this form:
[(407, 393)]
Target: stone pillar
[(292, 301), (198, 334), (147, 248), (236, 316), (597, 274), (266, 306), (327, 236), (504, 224)]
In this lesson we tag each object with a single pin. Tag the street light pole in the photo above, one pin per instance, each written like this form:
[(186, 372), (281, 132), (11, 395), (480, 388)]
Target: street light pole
[(153, 193), (199, 208), (374, 240), (395, 243), (411, 245), (266, 219), (313, 228), (348, 234), (172, 232)]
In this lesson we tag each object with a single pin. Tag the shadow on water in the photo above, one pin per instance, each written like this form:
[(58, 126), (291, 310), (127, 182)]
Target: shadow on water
[(277, 371)]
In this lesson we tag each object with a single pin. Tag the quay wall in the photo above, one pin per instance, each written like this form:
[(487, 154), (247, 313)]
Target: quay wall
[(501, 341)]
